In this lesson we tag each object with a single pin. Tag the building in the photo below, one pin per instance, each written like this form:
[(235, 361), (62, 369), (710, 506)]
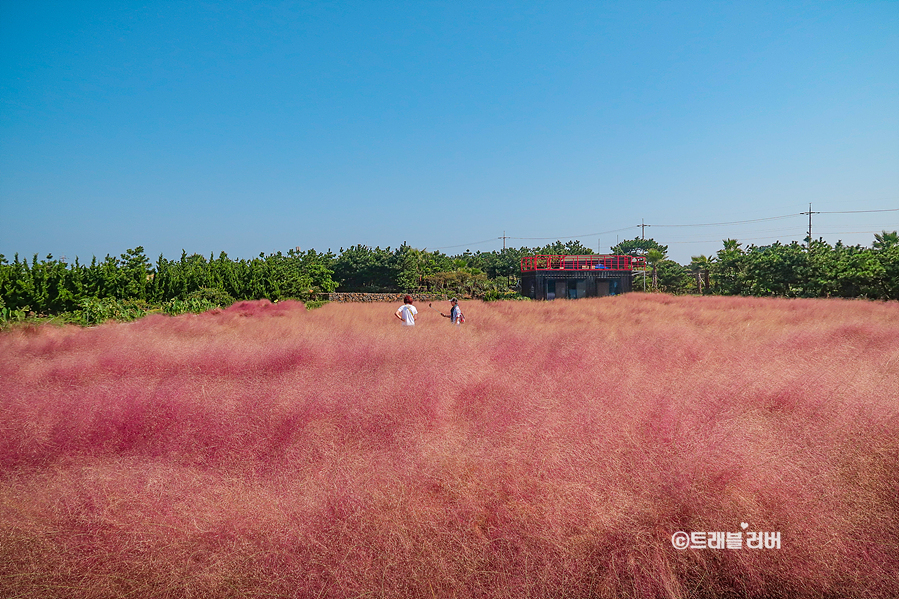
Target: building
[(548, 277)]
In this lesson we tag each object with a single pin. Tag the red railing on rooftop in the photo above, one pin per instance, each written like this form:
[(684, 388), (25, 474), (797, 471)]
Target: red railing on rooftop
[(585, 262)]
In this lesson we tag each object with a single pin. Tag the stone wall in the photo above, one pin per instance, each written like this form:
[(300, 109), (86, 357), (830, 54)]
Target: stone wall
[(382, 297)]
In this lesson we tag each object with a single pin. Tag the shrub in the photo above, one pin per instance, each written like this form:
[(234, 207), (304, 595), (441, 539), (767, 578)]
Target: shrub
[(493, 295), (95, 310), (213, 296), (191, 304)]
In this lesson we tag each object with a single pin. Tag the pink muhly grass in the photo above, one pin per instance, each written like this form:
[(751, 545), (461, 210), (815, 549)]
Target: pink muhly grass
[(540, 450)]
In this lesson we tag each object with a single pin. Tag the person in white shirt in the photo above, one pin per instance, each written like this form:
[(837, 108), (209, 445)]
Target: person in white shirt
[(407, 312)]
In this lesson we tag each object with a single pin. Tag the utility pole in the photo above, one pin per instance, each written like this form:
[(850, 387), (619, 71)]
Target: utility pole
[(643, 229), (509, 277), (810, 213), (643, 236)]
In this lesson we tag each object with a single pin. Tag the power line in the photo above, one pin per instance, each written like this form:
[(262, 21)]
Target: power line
[(719, 240), (720, 224), (859, 211), (736, 222), (796, 234), (448, 247), (575, 236), (759, 220)]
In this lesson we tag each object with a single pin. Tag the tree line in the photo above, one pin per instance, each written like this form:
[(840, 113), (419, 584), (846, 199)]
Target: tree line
[(129, 284), (812, 269)]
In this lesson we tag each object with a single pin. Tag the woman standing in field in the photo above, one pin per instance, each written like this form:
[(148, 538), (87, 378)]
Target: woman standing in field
[(407, 312)]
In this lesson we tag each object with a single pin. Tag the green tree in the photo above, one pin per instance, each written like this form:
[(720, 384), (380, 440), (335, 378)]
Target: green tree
[(672, 277), (701, 266), (887, 281), (777, 269), (638, 247), (406, 265), (134, 274), (728, 269), (653, 257), (569, 248), (361, 268), (885, 240)]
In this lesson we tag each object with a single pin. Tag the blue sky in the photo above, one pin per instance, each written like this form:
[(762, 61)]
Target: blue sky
[(251, 127)]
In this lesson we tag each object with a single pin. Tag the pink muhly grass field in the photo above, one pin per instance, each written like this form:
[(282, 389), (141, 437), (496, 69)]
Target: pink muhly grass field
[(540, 450)]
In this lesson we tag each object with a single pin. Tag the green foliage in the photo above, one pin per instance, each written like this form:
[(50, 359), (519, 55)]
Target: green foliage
[(572, 248), (819, 270), (125, 287), (503, 263), (778, 269), (493, 295), (313, 304), (638, 247), (216, 297), (407, 262), (406, 269), (671, 277), (193, 305), (462, 280), (727, 271), (118, 287), (700, 268), (781, 270), (7, 315), (885, 240), (296, 275), (363, 269), (201, 300), (653, 257), (96, 310)]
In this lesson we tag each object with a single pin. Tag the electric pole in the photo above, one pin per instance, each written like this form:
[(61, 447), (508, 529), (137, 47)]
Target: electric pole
[(509, 277), (643, 229), (810, 213), (643, 236)]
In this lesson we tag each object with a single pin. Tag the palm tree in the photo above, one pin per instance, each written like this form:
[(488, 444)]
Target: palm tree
[(700, 266), (653, 257), (885, 240), (731, 245)]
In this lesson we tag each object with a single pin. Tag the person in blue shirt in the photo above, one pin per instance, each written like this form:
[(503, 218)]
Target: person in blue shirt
[(455, 314)]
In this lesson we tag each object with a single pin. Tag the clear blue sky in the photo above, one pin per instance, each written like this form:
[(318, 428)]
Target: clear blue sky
[(251, 127)]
